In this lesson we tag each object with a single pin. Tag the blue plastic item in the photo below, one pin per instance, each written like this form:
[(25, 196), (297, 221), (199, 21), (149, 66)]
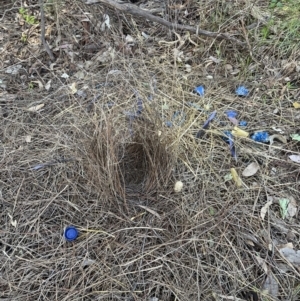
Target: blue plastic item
[(241, 91), (200, 90), (139, 107), (261, 137), (169, 124), (228, 138), (201, 132), (70, 233), (210, 118), (231, 114), (243, 123)]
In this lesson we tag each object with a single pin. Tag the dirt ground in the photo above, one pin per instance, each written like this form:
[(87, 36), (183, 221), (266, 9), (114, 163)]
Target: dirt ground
[(172, 196)]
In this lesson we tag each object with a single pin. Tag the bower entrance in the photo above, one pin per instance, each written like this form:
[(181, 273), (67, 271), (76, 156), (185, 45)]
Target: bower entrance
[(130, 165), (145, 161)]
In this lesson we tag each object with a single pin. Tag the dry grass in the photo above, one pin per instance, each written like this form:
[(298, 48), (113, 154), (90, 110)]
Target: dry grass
[(113, 176)]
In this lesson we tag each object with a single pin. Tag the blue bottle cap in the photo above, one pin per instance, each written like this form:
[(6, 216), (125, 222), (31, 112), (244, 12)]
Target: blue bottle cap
[(71, 233)]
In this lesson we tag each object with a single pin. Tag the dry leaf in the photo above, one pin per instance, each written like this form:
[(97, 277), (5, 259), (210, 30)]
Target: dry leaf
[(228, 67), (291, 255), (236, 177), (237, 132), (264, 209), (296, 105), (28, 138), (278, 137), (270, 285), (65, 75), (12, 221), (48, 85), (150, 210), (188, 68), (292, 207), (129, 39), (87, 262), (288, 245), (79, 74), (36, 108), (13, 69), (73, 88), (178, 186), (262, 263), (251, 169), (52, 66), (236, 71), (280, 131), (41, 86), (295, 158), (106, 22)]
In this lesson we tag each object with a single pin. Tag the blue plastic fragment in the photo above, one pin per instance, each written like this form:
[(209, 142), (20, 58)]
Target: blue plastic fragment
[(231, 114), (243, 123), (200, 90), (37, 167), (228, 138), (210, 118), (261, 137), (201, 132), (139, 106), (70, 233), (242, 91), (194, 105), (179, 117), (169, 124)]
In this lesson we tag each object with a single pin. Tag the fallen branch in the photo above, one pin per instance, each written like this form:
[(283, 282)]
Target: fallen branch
[(136, 11), (43, 40)]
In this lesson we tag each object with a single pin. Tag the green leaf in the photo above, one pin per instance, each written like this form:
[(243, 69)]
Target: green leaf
[(22, 10), (295, 137), (228, 177), (212, 211), (284, 207)]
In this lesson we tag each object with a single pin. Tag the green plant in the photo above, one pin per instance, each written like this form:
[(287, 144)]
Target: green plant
[(30, 86), (29, 19), (24, 37), (275, 3)]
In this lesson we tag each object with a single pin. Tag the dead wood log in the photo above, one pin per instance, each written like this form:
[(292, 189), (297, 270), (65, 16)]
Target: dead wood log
[(136, 11)]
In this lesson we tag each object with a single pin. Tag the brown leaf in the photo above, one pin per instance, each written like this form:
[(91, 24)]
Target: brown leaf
[(271, 285), (264, 209), (278, 137), (36, 108), (251, 169)]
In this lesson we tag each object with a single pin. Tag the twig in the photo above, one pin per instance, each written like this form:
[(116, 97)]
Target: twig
[(43, 40), (134, 10)]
